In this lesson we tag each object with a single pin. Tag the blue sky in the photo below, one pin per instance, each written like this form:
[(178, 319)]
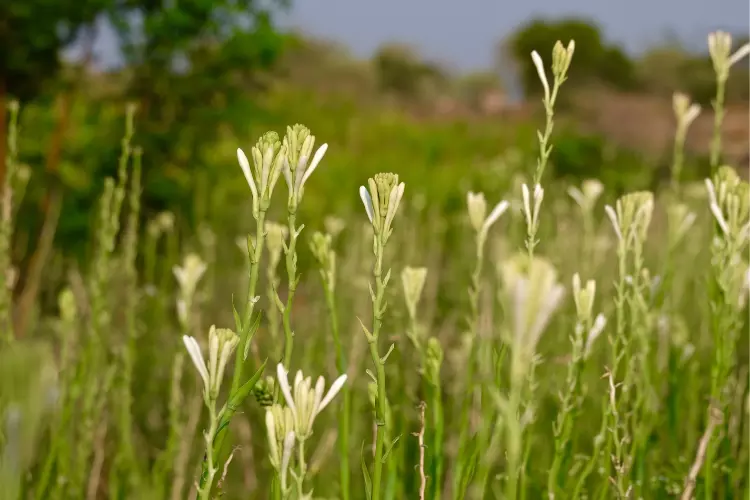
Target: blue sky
[(462, 33)]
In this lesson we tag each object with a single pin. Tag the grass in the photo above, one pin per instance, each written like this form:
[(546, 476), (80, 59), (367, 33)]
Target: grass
[(560, 345)]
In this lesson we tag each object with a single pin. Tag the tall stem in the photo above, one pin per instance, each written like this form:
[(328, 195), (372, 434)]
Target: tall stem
[(344, 409), (380, 406), (291, 269)]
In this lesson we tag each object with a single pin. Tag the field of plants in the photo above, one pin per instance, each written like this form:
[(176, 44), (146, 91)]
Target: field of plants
[(368, 324)]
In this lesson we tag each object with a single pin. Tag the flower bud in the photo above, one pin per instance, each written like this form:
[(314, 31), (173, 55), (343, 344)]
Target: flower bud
[(561, 58), (221, 345), (412, 280), (381, 201)]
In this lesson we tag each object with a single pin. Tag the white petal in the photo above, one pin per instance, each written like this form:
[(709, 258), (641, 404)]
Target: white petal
[(335, 388), (282, 376), (499, 210), (320, 386), (314, 164), (741, 52), (577, 196), (271, 430), (613, 218), (245, 165), (711, 191), (286, 456), (540, 71), (526, 200), (366, 201), (719, 217), (194, 351), (599, 323)]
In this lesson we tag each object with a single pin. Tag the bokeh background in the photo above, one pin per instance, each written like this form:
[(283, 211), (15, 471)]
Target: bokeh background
[(443, 93)]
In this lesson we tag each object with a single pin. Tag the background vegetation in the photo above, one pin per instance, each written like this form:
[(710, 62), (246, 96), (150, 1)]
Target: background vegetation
[(212, 76)]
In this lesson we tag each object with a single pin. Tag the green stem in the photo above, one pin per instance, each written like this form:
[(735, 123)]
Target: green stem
[(344, 409), (464, 435), (380, 406), (204, 492), (718, 119), (291, 269), (239, 357)]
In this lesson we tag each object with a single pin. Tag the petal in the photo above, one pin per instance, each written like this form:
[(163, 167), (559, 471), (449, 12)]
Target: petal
[(613, 219), (196, 356), (366, 201), (314, 164), (320, 386), (540, 71), (282, 376), (335, 388), (577, 196), (499, 210), (245, 165), (288, 175)]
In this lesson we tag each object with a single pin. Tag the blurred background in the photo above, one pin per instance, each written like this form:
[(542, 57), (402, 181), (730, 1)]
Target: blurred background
[(444, 93)]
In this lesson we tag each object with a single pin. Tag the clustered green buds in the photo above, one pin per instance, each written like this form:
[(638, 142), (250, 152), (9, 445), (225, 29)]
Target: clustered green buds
[(268, 156), (587, 196), (561, 58), (531, 294), (412, 280), (631, 217), (381, 201), (298, 166), (322, 249), (263, 392), (478, 217), (720, 50), (221, 344)]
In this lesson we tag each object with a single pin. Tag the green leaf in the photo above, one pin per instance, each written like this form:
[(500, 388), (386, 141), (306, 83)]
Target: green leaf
[(365, 473), (237, 319), (253, 329), (389, 449)]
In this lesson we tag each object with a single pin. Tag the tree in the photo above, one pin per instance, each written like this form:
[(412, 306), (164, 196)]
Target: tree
[(32, 35), (594, 60), (188, 61)]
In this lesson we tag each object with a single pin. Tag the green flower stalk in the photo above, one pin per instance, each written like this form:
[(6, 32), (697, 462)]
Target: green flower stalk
[(276, 235), (268, 156), (585, 333), (481, 224), (299, 164), (561, 59), (531, 294), (729, 202), (381, 202), (720, 50), (322, 249), (630, 220)]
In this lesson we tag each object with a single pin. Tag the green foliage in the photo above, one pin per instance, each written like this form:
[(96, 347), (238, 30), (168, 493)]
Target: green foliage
[(596, 60), (32, 35)]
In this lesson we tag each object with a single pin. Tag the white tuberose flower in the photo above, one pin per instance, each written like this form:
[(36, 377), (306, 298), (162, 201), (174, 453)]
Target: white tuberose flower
[(305, 401)]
